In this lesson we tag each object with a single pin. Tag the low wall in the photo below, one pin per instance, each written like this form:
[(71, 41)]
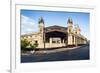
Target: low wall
[(49, 45)]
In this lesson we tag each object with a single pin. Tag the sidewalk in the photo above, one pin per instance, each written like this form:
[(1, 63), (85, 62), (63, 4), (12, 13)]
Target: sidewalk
[(55, 50)]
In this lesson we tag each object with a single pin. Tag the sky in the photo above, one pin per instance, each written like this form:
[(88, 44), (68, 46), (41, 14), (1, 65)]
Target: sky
[(29, 20)]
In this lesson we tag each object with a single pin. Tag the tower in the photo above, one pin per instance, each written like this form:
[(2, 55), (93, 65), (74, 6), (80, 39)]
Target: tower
[(70, 25), (70, 31), (41, 25), (41, 32), (77, 29), (77, 33)]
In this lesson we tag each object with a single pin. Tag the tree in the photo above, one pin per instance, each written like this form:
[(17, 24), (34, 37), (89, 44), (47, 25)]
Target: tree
[(34, 45), (24, 43)]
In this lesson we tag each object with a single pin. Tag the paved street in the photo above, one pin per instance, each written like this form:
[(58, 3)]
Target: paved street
[(81, 53)]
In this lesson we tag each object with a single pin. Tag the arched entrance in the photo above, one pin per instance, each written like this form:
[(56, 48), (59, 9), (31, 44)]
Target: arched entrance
[(55, 38)]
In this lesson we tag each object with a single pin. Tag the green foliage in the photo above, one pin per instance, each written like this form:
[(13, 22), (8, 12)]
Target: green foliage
[(34, 45), (24, 43)]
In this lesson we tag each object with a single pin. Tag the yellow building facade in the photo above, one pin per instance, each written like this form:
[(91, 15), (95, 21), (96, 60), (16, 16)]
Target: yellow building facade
[(56, 36)]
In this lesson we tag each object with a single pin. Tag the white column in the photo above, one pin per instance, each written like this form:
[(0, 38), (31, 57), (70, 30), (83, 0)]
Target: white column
[(63, 40), (74, 40), (69, 39), (50, 40)]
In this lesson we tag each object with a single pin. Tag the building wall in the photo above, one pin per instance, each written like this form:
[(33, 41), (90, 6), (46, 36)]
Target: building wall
[(73, 38)]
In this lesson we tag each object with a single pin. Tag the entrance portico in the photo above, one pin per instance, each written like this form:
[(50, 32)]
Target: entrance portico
[(55, 38)]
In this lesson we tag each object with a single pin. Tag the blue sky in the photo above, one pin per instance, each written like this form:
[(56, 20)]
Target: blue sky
[(29, 20)]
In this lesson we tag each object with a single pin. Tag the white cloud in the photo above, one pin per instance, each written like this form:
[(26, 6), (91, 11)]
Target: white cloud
[(27, 25)]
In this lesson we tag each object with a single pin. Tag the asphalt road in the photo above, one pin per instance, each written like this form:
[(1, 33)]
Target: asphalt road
[(81, 53)]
